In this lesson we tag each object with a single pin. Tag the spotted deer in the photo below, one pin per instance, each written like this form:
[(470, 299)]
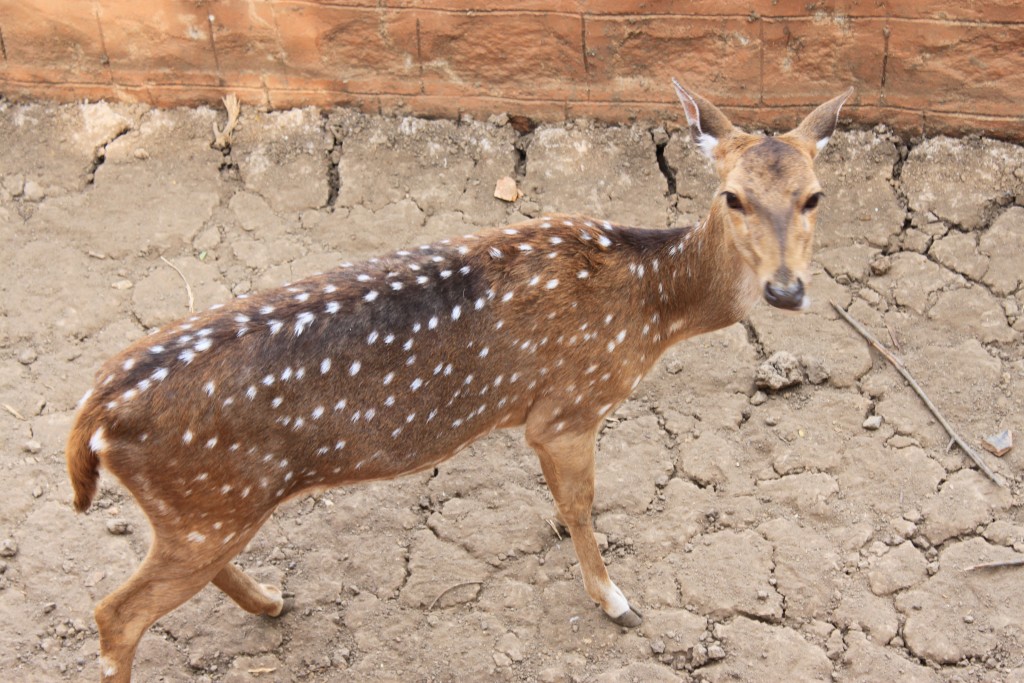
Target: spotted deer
[(392, 366)]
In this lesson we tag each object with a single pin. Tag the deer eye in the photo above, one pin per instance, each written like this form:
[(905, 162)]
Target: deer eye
[(732, 201), (812, 201)]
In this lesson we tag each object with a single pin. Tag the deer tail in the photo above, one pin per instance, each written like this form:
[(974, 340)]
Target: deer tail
[(83, 459)]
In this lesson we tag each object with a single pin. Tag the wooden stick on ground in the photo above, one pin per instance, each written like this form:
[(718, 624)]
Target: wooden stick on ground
[(188, 287), (902, 369), (1016, 562)]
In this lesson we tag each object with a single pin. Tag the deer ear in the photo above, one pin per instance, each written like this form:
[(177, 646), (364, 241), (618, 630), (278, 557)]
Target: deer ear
[(819, 125), (707, 124)]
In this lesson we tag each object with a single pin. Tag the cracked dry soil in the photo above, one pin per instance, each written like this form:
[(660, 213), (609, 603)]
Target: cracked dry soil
[(766, 536)]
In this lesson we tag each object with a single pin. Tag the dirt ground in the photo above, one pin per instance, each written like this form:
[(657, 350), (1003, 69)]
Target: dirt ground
[(820, 531)]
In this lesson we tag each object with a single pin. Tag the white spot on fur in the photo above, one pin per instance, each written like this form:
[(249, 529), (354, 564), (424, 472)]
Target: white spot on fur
[(195, 537), (97, 442), (302, 322)]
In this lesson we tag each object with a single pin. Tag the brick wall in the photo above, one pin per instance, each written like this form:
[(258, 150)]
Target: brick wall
[(921, 66)]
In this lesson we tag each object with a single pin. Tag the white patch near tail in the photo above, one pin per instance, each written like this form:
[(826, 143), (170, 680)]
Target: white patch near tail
[(98, 442), (85, 397)]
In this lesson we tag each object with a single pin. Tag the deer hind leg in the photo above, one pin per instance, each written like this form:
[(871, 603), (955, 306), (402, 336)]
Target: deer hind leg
[(567, 461), (252, 596), (167, 577)]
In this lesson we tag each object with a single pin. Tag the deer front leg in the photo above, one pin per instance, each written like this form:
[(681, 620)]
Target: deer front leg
[(567, 461)]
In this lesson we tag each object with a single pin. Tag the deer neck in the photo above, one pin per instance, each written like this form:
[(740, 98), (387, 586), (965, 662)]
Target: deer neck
[(707, 285)]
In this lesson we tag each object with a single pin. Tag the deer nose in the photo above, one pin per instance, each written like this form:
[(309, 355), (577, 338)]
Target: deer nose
[(790, 296)]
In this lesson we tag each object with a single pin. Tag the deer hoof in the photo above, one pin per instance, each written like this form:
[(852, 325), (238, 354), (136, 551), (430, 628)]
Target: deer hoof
[(287, 599), (287, 603), (630, 618)]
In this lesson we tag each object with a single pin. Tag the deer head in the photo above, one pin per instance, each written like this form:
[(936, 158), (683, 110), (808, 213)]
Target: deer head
[(768, 197)]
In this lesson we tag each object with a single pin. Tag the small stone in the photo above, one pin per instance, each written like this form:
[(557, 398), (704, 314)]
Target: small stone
[(903, 528), (118, 527), (658, 647), (759, 398), (880, 265), (968, 619), (49, 607), (37, 491), (140, 153), (498, 119), (8, 547), (771, 420), (912, 515), (507, 190), (873, 422), (781, 370), (901, 441), (27, 356), (433, 620), (834, 646), (814, 370), (33, 192), (502, 659), (14, 184), (997, 444), (122, 284), (716, 651), (32, 446)]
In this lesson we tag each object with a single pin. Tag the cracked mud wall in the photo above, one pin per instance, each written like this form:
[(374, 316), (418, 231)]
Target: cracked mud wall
[(762, 533)]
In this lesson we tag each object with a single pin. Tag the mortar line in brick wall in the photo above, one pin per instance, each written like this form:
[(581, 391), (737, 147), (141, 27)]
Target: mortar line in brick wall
[(635, 16), (885, 61), (213, 48), (760, 52), (583, 47), (103, 41), (953, 22), (419, 56), (379, 8)]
